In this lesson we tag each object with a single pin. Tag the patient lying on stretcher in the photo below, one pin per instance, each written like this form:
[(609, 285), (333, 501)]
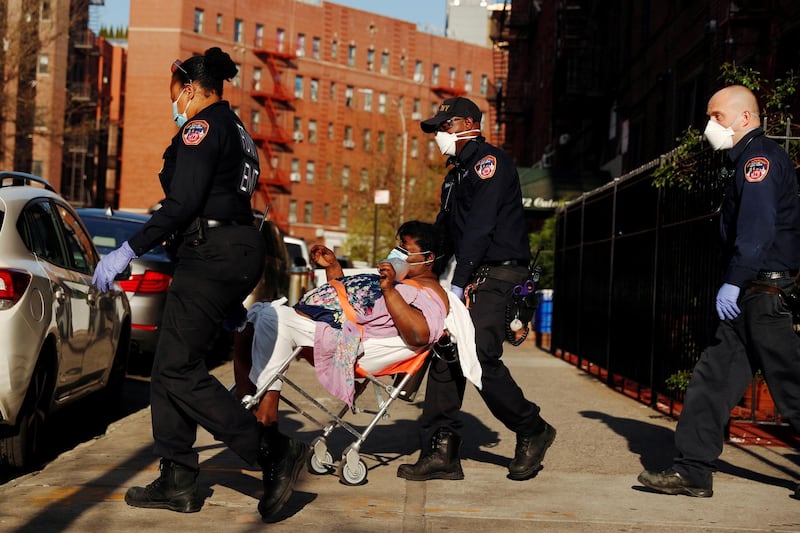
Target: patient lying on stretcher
[(382, 321)]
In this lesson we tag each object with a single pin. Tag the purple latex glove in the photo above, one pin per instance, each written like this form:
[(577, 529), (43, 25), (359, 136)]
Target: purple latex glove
[(112, 264), (458, 291), (726, 302)]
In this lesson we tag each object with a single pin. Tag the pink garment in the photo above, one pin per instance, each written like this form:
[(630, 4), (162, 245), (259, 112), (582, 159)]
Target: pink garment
[(336, 350)]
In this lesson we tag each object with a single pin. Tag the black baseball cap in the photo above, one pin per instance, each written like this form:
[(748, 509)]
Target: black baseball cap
[(452, 107)]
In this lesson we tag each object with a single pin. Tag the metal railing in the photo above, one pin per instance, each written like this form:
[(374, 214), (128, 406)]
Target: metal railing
[(636, 270)]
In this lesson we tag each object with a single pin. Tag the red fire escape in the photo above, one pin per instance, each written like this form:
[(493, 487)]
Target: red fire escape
[(273, 137)]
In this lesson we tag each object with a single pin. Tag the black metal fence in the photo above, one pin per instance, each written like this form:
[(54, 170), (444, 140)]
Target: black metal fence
[(637, 269)]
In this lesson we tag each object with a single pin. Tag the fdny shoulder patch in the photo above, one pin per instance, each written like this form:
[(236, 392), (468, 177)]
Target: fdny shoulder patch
[(195, 132), (756, 169), (485, 167)]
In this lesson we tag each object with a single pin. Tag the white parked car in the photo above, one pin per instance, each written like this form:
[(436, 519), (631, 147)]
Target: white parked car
[(60, 338)]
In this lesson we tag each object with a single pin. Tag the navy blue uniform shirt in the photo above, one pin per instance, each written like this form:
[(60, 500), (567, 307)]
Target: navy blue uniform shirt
[(760, 222), (210, 170), (482, 209)]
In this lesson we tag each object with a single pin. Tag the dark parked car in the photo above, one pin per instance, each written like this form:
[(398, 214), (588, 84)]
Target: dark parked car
[(147, 286)]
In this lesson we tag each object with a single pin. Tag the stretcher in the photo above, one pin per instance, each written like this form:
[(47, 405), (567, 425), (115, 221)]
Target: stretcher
[(400, 380)]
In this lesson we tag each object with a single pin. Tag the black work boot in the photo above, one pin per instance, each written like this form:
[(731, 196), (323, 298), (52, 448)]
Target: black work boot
[(530, 452), (672, 482), (281, 458), (441, 462), (175, 489)]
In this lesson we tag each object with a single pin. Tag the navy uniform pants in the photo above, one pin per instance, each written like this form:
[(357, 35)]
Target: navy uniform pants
[(210, 280), (444, 391), (760, 337)]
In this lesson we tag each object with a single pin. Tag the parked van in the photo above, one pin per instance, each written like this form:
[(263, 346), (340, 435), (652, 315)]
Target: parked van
[(301, 273)]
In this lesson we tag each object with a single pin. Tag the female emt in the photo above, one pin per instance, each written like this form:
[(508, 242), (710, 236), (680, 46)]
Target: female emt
[(210, 171)]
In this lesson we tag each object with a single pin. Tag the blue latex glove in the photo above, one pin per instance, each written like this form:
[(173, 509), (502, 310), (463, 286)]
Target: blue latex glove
[(726, 302), (458, 291), (112, 264)]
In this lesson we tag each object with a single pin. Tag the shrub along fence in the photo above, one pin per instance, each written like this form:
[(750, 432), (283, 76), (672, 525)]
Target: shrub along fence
[(637, 269)]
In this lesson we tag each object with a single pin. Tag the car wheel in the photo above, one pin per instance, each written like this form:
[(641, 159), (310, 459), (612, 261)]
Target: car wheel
[(21, 448)]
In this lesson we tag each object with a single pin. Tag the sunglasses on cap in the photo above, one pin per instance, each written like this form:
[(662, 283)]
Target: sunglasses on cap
[(176, 66)]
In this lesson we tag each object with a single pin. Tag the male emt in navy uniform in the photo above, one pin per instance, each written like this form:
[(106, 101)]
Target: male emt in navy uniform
[(210, 172), (760, 229), (483, 215)]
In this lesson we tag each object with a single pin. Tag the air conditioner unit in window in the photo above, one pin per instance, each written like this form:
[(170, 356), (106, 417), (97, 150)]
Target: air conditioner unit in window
[(416, 116), (349, 143), (419, 78), (298, 136), (294, 176)]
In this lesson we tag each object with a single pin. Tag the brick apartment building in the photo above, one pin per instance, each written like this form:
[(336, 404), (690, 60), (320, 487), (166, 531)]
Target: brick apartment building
[(332, 95)]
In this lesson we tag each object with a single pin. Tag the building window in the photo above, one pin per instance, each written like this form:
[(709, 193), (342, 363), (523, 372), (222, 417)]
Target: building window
[(345, 176), (343, 216), (198, 20), (326, 212), (311, 169), (312, 131), (484, 84), (382, 141), (402, 64), (38, 167), (237, 79), (351, 55), (332, 92), (47, 12), (297, 126), (292, 211), (316, 45), (314, 90), (468, 81), (255, 121), (348, 137), (451, 79), (431, 150), (219, 22), (328, 171), (280, 39), (418, 76), (258, 40), (334, 49), (415, 112), (364, 184), (307, 212), (298, 86), (367, 140), (301, 44), (256, 78), (382, 103), (348, 96), (44, 64), (330, 131), (370, 59), (238, 31), (385, 63), (414, 147), (435, 75), (295, 169), (368, 100)]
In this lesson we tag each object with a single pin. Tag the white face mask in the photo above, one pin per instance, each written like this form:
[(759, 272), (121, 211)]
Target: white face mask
[(719, 137), (447, 141), (180, 118)]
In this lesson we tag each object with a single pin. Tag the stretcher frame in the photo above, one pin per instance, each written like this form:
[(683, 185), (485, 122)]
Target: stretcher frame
[(351, 469)]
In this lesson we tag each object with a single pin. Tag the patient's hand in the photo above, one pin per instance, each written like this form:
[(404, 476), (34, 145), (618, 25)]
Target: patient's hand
[(323, 256)]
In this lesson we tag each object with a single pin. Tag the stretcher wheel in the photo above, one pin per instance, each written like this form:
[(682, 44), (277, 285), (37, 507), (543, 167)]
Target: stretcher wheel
[(352, 477), (318, 468)]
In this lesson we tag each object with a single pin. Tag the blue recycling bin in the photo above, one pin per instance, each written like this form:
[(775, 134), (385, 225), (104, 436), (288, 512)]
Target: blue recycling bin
[(543, 319)]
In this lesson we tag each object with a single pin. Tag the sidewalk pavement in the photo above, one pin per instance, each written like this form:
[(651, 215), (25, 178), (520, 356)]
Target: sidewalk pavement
[(588, 482)]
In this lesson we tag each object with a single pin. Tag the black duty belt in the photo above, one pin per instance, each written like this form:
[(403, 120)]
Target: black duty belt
[(495, 272), (769, 275), (507, 263), (211, 223)]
